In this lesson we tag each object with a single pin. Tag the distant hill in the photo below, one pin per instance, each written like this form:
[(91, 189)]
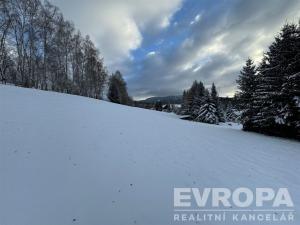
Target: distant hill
[(177, 99)]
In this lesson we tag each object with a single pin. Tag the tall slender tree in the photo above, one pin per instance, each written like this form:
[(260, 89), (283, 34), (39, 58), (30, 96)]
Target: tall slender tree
[(247, 86)]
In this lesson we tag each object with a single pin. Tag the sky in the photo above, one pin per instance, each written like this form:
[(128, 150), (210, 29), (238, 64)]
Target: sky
[(162, 46)]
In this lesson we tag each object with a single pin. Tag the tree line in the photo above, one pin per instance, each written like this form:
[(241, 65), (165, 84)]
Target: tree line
[(40, 49), (269, 93), (202, 105)]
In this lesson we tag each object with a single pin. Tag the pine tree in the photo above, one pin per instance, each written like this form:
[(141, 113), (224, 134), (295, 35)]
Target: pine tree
[(275, 108), (200, 105), (214, 93), (198, 98), (184, 106), (117, 91), (215, 100), (192, 98), (247, 84), (208, 113), (290, 113), (232, 114), (191, 95)]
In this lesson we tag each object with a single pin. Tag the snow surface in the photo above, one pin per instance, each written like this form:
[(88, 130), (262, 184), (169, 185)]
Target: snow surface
[(72, 160)]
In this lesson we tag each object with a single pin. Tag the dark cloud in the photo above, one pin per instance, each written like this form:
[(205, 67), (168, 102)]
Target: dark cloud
[(214, 48), (188, 39)]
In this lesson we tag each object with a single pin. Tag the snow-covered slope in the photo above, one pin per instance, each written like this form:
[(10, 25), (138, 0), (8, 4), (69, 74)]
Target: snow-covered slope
[(73, 160)]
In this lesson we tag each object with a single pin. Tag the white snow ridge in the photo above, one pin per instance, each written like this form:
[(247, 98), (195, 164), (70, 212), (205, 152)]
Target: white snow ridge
[(72, 160)]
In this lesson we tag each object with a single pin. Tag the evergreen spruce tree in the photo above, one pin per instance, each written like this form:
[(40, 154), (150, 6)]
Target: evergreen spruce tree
[(214, 93), (192, 98), (117, 91), (247, 84), (198, 98), (290, 112), (200, 105), (232, 114), (184, 106), (191, 95), (275, 100), (216, 102), (207, 113)]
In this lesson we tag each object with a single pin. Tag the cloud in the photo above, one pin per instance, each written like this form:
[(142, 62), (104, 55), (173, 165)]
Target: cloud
[(116, 26), (196, 19), (216, 46), (152, 53), (204, 40)]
